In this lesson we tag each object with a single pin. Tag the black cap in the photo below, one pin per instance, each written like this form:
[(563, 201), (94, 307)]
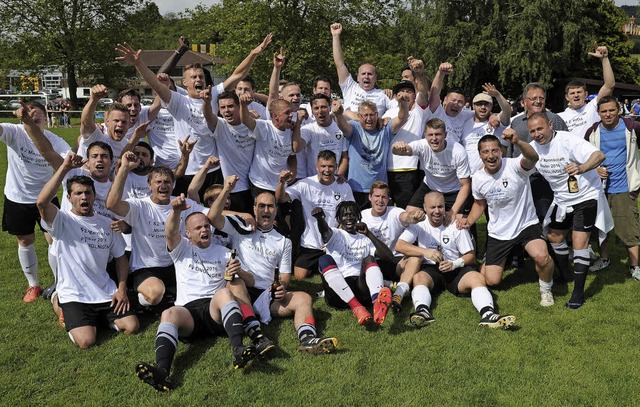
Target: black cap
[(403, 85)]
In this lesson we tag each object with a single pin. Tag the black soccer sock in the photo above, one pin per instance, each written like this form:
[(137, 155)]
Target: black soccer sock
[(561, 251), (251, 323), (166, 344), (307, 330), (232, 322), (580, 268)]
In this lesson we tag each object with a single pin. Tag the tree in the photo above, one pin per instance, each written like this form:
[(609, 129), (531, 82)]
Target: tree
[(78, 35)]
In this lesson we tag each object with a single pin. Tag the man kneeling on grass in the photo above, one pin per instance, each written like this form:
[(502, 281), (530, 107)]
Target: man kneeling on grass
[(204, 306), (350, 275), (85, 243), (448, 261)]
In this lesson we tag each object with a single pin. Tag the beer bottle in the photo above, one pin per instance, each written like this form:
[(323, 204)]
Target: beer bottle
[(229, 276), (572, 184), (276, 282)]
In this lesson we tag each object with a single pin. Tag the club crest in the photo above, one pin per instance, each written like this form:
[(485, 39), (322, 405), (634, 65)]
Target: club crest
[(336, 196), (505, 182), (445, 239), (338, 136)]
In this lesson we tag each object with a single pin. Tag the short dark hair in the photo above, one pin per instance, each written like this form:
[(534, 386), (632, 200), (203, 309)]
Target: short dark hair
[(319, 96), (211, 194), (321, 78), (82, 180), (36, 105), (457, 90), (148, 147), (159, 171), (539, 115), (346, 205), (575, 84), (327, 155), (607, 99), (487, 138), (117, 107), (102, 145), (229, 95), (379, 185), (128, 92), (249, 80), (436, 123)]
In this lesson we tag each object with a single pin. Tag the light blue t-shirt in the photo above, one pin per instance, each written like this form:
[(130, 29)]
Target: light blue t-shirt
[(614, 146), (368, 156)]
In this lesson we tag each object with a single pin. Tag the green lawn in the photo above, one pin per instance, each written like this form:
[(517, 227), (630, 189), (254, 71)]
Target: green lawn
[(554, 357)]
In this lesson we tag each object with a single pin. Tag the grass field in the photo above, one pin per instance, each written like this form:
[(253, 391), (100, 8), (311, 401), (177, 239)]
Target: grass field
[(555, 356)]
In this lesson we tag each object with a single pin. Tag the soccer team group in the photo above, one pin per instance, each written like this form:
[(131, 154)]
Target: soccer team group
[(378, 192)]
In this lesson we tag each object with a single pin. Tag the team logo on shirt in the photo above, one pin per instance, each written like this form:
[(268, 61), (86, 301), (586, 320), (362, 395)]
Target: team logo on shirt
[(338, 136), (445, 239), (336, 196), (505, 182)]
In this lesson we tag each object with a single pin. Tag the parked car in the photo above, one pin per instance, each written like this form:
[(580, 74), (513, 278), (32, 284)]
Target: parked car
[(105, 103)]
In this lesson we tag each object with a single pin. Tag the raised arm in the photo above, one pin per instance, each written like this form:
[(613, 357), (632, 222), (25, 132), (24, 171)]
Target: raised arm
[(172, 226), (245, 115), (401, 148), (422, 81), (444, 69), (323, 226), (132, 57), (338, 58), (217, 207), (172, 61), (274, 81), (412, 217), (338, 114), (198, 180), (382, 250), (115, 203), (48, 210), (42, 143), (505, 106), (403, 114), (343, 168), (297, 142), (186, 148), (88, 118), (286, 177), (207, 109), (138, 134), (529, 155), (243, 69), (607, 73)]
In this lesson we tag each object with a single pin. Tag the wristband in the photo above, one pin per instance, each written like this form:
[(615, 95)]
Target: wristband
[(457, 263)]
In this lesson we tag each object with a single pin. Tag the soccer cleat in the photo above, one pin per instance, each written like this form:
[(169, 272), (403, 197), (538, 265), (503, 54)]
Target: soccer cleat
[(397, 303), (48, 292), (154, 376), (362, 315), (381, 305), (574, 305), (421, 318), (600, 264), (635, 272), (318, 346), (243, 354), (498, 321), (546, 299), (263, 346), (32, 294)]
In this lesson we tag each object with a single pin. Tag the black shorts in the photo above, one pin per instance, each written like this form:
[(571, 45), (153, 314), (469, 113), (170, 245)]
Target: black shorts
[(78, 314), (255, 190), (499, 250), (241, 201), (448, 280), (19, 219), (389, 268), (167, 274), (417, 199), (402, 184), (581, 219), (362, 199), (357, 285), (182, 184), (308, 259), (203, 325)]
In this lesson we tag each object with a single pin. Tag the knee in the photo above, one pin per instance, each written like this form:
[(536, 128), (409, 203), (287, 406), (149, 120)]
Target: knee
[(169, 315), (26, 240), (300, 274), (225, 295), (492, 280), (84, 341), (153, 291), (129, 325), (420, 279), (541, 258), (325, 261), (301, 299)]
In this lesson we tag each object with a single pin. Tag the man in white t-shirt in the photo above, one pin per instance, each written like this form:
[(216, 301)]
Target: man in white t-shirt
[(445, 166), (503, 186), (350, 275), (187, 110), (32, 153), (580, 115), (387, 223), (248, 85), (448, 261), (322, 86), (356, 92), (85, 243), (568, 163), (321, 190), (137, 114), (267, 255), (152, 270), (204, 306)]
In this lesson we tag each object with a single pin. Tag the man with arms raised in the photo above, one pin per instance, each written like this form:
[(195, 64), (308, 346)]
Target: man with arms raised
[(503, 186)]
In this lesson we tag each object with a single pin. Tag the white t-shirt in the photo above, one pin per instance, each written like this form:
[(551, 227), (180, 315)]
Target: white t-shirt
[(579, 120), (472, 133), (564, 148), (320, 138), (148, 237), (444, 169), (199, 272), (236, 148), (162, 138), (27, 170), (273, 148), (102, 190), (354, 95), (84, 246), (387, 228), (136, 186), (348, 250), (412, 130), (189, 120), (455, 124), (261, 252), (260, 109), (508, 196), (313, 194), (98, 135), (452, 242)]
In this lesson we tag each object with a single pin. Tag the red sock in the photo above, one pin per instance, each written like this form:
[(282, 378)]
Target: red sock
[(354, 303), (310, 320), (247, 311)]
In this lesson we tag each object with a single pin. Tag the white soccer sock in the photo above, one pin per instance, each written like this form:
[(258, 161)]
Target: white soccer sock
[(544, 286), (402, 289), (143, 301), (373, 277), (481, 298), (420, 295), (53, 263), (335, 280), (29, 263)]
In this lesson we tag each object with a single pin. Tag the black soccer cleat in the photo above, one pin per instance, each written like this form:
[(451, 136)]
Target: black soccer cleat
[(242, 355), (498, 321), (264, 346), (154, 376), (421, 318), (318, 346)]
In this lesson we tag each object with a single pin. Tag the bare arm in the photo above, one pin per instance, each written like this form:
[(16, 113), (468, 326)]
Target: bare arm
[(88, 118), (477, 209), (286, 176), (42, 143), (382, 250), (338, 114), (607, 72), (274, 81), (172, 226), (505, 106), (411, 218), (198, 180), (217, 207), (410, 250), (422, 82), (297, 142), (595, 159), (461, 197), (243, 69), (403, 115), (401, 148), (437, 84), (323, 226), (343, 167), (115, 203), (207, 109), (48, 211), (245, 115), (529, 155), (338, 58), (132, 57), (185, 151)]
